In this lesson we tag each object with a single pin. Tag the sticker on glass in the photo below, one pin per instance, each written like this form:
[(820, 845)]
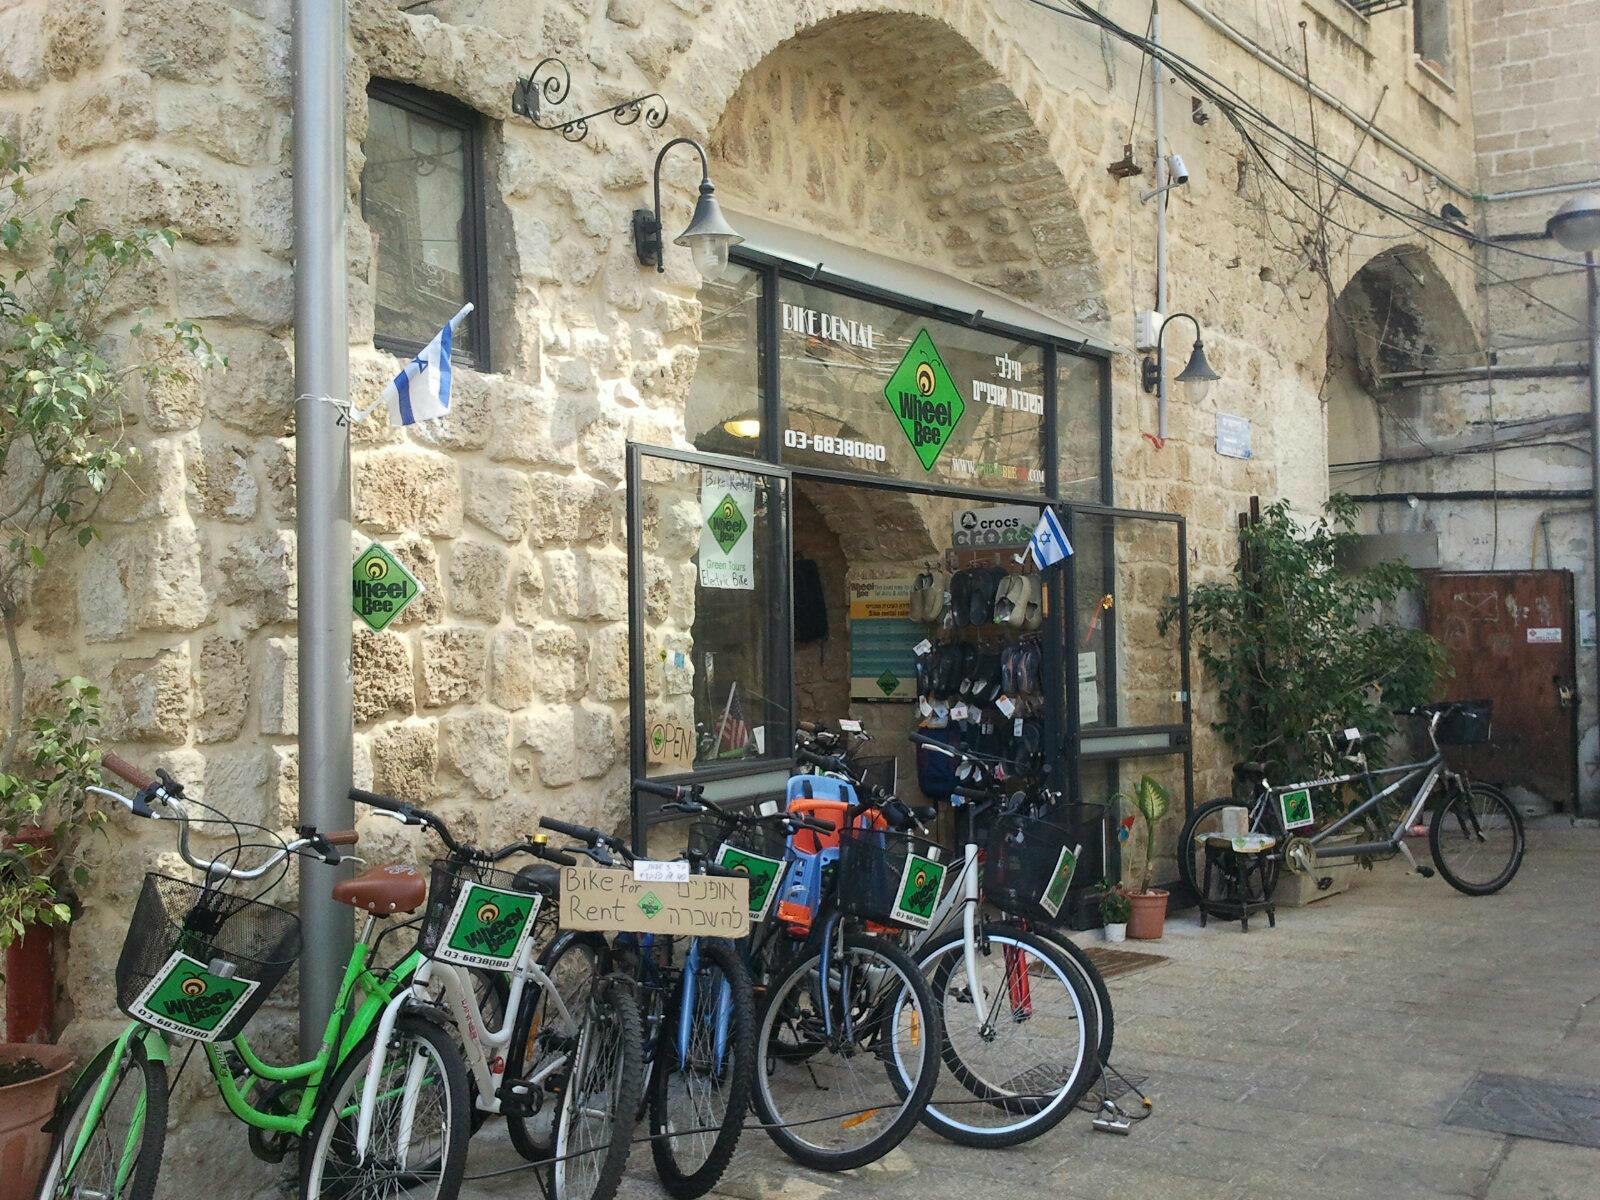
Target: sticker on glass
[(487, 926), (185, 997), (920, 883)]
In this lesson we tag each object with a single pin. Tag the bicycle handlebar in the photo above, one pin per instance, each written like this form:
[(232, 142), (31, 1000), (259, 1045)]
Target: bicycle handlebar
[(121, 767)]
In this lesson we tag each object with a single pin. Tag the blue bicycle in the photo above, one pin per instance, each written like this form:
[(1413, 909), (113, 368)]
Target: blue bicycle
[(699, 1027)]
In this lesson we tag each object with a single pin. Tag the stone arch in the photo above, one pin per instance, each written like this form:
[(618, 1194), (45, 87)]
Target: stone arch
[(1398, 313), (908, 130)]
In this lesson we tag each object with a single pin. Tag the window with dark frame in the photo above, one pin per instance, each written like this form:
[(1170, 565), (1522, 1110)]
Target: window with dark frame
[(1430, 33), (422, 196)]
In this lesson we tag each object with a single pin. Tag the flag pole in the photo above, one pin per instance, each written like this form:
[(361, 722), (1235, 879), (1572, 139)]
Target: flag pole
[(322, 479)]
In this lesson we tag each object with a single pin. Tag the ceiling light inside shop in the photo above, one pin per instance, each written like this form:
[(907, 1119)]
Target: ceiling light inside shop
[(743, 427)]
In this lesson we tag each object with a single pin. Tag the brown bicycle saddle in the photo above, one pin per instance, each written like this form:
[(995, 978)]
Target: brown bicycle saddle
[(384, 890)]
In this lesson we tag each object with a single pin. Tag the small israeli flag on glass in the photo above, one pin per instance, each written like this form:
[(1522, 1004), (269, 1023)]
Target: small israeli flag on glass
[(1049, 544), (421, 392)]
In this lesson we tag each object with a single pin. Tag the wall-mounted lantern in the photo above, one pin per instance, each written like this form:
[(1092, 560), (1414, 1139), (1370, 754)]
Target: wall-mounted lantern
[(1197, 375), (708, 238)]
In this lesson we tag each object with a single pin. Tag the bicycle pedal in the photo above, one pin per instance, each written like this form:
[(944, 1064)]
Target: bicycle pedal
[(1324, 883), (1425, 872), (518, 1099)]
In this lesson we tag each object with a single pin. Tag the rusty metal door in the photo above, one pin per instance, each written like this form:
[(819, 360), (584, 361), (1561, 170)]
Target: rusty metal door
[(1512, 638)]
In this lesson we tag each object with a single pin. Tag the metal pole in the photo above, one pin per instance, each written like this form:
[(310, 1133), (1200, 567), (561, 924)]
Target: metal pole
[(1593, 274), (322, 481), (1158, 114)]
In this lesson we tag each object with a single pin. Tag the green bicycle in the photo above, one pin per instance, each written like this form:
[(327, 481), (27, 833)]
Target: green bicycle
[(382, 1109)]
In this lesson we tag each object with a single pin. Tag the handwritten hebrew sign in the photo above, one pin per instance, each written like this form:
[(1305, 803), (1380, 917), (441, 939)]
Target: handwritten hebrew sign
[(612, 900)]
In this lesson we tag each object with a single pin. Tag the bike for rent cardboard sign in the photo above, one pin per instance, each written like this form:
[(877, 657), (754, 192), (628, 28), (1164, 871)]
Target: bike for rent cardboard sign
[(612, 900)]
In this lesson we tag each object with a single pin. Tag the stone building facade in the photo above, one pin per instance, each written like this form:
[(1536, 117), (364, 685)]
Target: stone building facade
[(970, 138)]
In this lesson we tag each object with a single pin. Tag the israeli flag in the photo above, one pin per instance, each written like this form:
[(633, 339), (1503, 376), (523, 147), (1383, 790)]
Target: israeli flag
[(421, 392), (1049, 544)]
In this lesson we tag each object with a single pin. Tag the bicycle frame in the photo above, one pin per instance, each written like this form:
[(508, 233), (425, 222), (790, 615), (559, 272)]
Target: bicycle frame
[(1428, 770), (376, 991)]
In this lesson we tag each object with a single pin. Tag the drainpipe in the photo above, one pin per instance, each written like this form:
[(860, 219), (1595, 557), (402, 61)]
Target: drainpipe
[(1157, 114), (322, 483)]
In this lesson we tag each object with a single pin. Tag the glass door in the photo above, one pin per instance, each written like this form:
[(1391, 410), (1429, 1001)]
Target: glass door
[(710, 649)]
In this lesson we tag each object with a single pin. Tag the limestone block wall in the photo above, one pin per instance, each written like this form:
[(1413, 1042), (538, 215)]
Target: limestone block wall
[(971, 138)]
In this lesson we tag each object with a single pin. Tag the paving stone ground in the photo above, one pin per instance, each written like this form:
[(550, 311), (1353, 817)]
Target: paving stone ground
[(1315, 1060)]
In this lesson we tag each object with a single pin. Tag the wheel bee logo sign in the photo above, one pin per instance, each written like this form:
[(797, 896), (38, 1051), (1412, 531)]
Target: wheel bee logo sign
[(727, 524), (381, 587), (650, 904), (920, 884), (487, 926), (185, 998), (924, 400), (761, 870), (887, 682)]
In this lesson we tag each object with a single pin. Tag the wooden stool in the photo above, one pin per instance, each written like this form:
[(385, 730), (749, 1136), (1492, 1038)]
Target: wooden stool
[(1236, 864)]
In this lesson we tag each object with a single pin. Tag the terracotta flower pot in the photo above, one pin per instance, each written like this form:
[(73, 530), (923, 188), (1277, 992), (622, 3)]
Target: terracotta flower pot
[(24, 1107), (1149, 914)]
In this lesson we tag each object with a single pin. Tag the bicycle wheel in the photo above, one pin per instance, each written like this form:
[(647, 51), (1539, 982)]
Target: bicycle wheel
[(1104, 1015), (1221, 896), (418, 1141), (573, 961), (705, 1089), (121, 1155), (1028, 1057), (835, 1100), (594, 1125), (1476, 839)]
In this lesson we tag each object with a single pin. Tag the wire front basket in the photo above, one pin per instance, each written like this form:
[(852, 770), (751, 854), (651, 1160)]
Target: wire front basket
[(887, 877), (1030, 862), (880, 774), (199, 962), (477, 915), (708, 837), (1465, 724)]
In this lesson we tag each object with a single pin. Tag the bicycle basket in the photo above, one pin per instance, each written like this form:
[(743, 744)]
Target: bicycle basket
[(1466, 724), (754, 850), (199, 962), (888, 877), (1029, 864), (477, 916), (880, 774)]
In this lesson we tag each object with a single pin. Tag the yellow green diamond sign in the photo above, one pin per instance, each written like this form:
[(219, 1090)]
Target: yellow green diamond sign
[(925, 400), (381, 587)]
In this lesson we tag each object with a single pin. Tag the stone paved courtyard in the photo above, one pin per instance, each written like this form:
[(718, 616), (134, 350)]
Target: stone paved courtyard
[(1317, 1060)]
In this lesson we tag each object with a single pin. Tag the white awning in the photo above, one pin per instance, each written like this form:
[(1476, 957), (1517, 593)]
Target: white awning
[(906, 279)]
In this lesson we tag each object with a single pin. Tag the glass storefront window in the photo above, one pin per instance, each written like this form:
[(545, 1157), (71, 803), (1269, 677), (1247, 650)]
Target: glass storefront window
[(723, 415), (716, 675), (872, 389), (1079, 466)]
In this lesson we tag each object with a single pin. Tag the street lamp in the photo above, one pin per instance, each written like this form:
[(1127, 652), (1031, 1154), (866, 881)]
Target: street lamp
[(1197, 375), (708, 238), (1576, 226)]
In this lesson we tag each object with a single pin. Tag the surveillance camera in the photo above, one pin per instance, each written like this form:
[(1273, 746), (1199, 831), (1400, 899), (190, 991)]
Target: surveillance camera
[(1178, 173)]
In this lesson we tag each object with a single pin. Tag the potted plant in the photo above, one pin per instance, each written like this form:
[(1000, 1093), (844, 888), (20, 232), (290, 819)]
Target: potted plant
[(31, 1077), (1115, 908), (1150, 800)]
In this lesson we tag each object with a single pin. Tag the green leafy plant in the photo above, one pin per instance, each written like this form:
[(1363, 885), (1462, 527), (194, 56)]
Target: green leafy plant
[(1151, 801), (1296, 648), (59, 757), (1115, 908), (62, 448)]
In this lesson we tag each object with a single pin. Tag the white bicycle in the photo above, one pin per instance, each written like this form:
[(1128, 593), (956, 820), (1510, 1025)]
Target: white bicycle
[(564, 1064)]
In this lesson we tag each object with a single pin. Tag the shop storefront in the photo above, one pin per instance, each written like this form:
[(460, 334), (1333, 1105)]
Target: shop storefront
[(846, 540)]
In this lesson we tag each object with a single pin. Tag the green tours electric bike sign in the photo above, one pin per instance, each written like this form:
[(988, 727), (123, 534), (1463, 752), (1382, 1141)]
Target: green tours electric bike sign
[(486, 927)]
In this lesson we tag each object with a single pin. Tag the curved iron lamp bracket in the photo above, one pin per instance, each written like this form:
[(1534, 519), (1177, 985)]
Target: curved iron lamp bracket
[(547, 86)]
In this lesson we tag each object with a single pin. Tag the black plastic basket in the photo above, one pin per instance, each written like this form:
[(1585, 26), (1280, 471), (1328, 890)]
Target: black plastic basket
[(446, 882), (880, 774), (872, 870), (232, 937), (707, 837), (1021, 862), (1465, 724)]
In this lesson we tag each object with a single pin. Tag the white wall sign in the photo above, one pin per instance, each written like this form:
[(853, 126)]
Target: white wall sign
[(1547, 634), (727, 530), (991, 525), (1233, 436)]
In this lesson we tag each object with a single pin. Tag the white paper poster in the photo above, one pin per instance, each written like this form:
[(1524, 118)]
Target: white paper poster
[(727, 530)]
